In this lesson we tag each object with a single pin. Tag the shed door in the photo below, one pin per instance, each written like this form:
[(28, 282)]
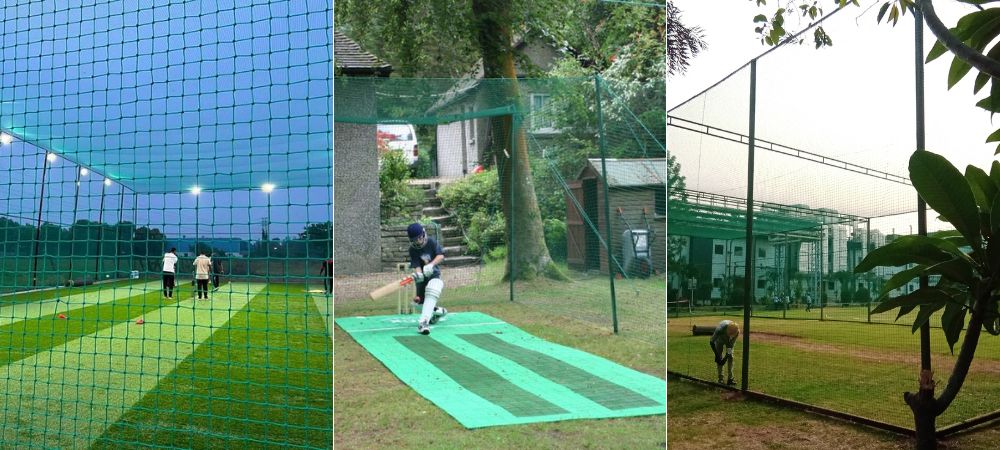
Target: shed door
[(593, 246), (576, 233)]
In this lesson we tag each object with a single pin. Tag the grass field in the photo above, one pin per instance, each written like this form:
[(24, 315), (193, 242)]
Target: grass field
[(250, 368), (703, 418), (857, 368), (376, 410)]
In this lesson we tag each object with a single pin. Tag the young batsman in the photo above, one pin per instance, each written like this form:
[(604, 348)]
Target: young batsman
[(724, 339), (425, 255), (169, 272)]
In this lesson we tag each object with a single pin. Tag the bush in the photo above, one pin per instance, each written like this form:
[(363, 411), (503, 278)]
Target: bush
[(497, 254), (555, 238), (485, 232), (423, 168), (475, 200), (395, 192), (861, 295)]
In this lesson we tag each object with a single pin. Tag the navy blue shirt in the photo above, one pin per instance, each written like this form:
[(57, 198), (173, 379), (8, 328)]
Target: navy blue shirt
[(419, 257)]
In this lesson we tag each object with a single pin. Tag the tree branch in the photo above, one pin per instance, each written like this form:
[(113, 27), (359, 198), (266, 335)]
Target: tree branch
[(968, 54), (965, 356)]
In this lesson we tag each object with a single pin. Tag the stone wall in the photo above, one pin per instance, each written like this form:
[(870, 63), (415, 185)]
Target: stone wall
[(357, 244)]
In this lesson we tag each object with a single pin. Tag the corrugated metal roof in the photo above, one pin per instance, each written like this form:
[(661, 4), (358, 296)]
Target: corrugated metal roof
[(633, 172), (350, 57)]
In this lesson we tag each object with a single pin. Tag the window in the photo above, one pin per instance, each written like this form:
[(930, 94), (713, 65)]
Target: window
[(761, 253), (719, 249), (541, 120), (737, 251), (661, 203), (716, 282), (761, 283)]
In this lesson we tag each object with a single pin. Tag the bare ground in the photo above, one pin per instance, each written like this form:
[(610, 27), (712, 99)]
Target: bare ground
[(869, 353)]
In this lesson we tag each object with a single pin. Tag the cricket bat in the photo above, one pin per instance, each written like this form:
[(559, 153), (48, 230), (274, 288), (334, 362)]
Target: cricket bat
[(390, 288)]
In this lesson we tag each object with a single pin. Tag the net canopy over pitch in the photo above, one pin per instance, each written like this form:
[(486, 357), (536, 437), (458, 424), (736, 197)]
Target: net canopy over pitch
[(595, 154), (164, 98), (832, 130)]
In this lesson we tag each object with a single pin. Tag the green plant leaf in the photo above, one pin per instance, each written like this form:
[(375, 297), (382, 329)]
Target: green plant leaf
[(945, 190), (983, 188), (900, 279), (881, 12), (952, 322), (912, 249), (925, 314), (959, 68), (904, 310), (923, 296), (936, 51), (759, 18)]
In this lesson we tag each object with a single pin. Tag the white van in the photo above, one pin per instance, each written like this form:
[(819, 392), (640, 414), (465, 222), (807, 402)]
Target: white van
[(403, 138)]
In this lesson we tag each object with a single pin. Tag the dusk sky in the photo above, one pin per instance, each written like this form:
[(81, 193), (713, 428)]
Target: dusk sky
[(225, 96)]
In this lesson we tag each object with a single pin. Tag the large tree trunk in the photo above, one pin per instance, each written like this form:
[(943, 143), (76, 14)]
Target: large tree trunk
[(526, 247)]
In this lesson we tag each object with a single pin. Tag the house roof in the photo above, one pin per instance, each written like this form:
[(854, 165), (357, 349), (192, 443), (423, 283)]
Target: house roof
[(351, 59), (631, 172)]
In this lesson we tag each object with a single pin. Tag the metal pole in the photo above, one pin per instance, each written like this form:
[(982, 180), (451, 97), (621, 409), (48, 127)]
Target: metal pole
[(822, 283), (76, 202), (118, 240), (607, 203), (100, 233), (38, 228), (748, 269), (510, 245), (918, 52), (864, 252)]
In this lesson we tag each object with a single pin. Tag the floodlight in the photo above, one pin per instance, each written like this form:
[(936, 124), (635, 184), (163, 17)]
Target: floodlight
[(267, 188), (196, 190), (6, 138)]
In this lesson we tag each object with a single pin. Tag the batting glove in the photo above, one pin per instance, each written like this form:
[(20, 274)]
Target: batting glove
[(428, 270), (418, 277)]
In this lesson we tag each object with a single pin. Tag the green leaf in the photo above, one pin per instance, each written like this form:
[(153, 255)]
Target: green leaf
[(918, 297), (904, 310), (983, 188), (959, 270), (912, 249), (759, 18), (900, 279), (993, 137), (925, 314), (959, 68), (881, 12), (944, 189), (936, 51), (952, 322)]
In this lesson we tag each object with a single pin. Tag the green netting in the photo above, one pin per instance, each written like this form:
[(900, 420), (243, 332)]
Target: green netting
[(485, 372), (127, 130), (827, 189), (469, 158)]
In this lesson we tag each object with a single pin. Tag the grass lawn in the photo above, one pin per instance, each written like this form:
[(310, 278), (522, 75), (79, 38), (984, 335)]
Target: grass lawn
[(376, 410), (709, 418), (857, 368), (250, 368)]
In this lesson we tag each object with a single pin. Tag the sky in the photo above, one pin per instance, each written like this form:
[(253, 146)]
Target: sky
[(225, 96), (853, 102)]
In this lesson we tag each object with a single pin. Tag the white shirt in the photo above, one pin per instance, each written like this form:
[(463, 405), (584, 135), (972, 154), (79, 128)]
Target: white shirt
[(202, 266), (169, 261)]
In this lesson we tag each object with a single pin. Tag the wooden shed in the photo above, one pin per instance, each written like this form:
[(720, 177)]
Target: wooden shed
[(633, 185)]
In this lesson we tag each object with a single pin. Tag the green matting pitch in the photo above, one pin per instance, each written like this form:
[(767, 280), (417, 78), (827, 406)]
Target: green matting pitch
[(485, 372)]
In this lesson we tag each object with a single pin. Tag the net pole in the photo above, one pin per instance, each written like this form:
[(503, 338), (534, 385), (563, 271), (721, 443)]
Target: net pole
[(100, 231), (118, 243), (76, 203), (918, 70), (868, 243), (602, 142), (38, 227), (510, 246), (748, 269)]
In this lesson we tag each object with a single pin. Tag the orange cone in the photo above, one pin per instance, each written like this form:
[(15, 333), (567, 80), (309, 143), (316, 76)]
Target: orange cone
[(140, 321), (62, 316)]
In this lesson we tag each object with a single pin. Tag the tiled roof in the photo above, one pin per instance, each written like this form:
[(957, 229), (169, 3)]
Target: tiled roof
[(351, 59)]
